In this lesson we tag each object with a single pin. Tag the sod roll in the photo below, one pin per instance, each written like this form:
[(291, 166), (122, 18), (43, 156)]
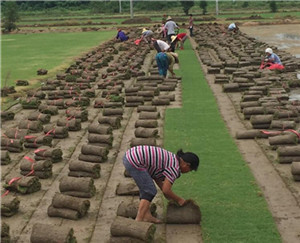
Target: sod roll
[(74, 186), (42, 233), (129, 209), (9, 205), (128, 227), (186, 214), (78, 204)]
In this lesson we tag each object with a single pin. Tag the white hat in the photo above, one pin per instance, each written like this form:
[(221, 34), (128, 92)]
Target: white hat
[(269, 50), (173, 38), (169, 18)]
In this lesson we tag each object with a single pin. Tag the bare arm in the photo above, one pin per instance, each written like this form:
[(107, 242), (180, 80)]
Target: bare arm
[(169, 194)]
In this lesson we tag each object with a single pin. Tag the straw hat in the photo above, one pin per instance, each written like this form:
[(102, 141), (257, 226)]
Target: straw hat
[(144, 30), (173, 38), (169, 18)]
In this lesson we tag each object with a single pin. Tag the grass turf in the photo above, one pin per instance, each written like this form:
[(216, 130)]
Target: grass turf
[(24, 54), (232, 206)]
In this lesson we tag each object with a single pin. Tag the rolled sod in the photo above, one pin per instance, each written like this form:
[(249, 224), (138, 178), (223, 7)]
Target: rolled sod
[(11, 145), (289, 151), (56, 132), (285, 139), (78, 204), (143, 141), (92, 158), (7, 115), (53, 154), (41, 165), (84, 169), (115, 122), (5, 158), (40, 174), (295, 170), (113, 112), (81, 114), (281, 124), (100, 138), (72, 124), (30, 103), (186, 214), (124, 189), (25, 185), (38, 116), (78, 187), (36, 142), (15, 133), (146, 108), (5, 237), (145, 115), (48, 109), (160, 101), (94, 150), (146, 123), (65, 213), (9, 205), (251, 134), (129, 209), (141, 132), (33, 126), (128, 227), (52, 234), (100, 129)]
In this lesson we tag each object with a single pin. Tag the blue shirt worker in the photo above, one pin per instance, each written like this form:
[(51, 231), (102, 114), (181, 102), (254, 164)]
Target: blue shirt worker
[(233, 27), (121, 35), (272, 57)]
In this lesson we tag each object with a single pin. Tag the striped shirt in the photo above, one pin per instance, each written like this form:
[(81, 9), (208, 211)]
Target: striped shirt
[(159, 162)]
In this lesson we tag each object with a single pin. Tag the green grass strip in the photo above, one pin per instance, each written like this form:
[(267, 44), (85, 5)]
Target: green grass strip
[(24, 54), (233, 208)]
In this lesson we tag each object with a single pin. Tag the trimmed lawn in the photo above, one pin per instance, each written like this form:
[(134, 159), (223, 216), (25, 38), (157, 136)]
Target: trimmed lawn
[(231, 202), (24, 54)]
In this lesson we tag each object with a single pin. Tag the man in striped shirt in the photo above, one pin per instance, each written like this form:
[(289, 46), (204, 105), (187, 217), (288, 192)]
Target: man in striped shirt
[(147, 163)]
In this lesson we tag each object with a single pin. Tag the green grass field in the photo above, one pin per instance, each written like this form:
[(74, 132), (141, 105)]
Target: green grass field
[(24, 54), (231, 203)]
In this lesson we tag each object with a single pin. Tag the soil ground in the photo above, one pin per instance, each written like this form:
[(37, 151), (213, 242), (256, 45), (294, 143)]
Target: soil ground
[(281, 193)]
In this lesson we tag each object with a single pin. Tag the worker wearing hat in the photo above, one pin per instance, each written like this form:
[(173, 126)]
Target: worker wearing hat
[(170, 26), (272, 57), (175, 38), (146, 35), (271, 61)]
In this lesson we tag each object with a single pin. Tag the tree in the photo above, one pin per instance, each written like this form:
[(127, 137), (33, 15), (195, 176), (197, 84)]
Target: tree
[(10, 16), (273, 6), (203, 5), (186, 5), (245, 5)]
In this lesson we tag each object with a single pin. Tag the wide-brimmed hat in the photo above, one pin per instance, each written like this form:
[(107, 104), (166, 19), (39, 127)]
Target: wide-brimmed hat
[(169, 18), (173, 38), (144, 30)]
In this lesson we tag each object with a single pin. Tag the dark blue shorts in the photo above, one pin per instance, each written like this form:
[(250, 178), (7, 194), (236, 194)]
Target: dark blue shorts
[(142, 179)]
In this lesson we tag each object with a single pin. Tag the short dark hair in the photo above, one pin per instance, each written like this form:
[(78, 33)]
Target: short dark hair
[(189, 158)]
